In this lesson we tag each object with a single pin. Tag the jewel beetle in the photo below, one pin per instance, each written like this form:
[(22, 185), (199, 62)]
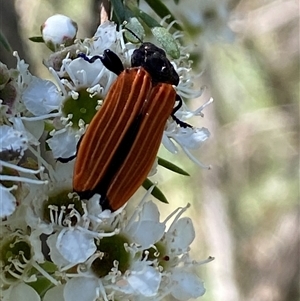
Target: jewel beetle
[(120, 145)]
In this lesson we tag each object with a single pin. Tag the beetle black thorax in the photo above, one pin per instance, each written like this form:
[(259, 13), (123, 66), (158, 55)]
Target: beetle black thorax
[(154, 60)]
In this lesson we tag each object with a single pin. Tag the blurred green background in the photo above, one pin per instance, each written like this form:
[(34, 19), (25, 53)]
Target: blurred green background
[(246, 208)]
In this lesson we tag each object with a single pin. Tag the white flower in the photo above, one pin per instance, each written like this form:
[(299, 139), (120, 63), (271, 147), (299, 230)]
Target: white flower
[(189, 138), (186, 137), (16, 262)]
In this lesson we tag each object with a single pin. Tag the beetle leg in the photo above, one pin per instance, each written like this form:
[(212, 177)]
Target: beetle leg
[(180, 122), (109, 59), (179, 99), (177, 120)]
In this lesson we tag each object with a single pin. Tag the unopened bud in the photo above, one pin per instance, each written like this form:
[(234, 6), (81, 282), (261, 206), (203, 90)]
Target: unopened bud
[(59, 30), (167, 41), (136, 27), (55, 59)]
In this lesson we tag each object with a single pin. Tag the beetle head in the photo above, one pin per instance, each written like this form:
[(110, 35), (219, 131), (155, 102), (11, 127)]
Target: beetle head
[(154, 60)]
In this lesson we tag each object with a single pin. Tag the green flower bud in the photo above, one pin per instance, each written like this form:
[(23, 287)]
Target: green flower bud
[(167, 41), (136, 27)]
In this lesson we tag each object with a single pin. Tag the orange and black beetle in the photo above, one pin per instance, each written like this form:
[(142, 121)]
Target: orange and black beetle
[(120, 145)]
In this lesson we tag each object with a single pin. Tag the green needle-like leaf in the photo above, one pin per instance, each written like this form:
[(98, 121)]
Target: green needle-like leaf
[(167, 164), (119, 10), (148, 20), (4, 42), (156, 192), (38, 39), (162, 11)]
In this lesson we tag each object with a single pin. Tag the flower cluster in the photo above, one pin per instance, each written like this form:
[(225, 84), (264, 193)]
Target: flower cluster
[(55, 246)]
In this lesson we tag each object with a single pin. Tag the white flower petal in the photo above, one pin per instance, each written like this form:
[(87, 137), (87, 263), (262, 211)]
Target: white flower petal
[(169, 144), (181, 235), (95, 210), (84, 73), (55, 255), (147, 230), (63, 144), (191, 138), (153, 170), (41, 97), (81, 289), (11, 139), (147, 233), (105, 37), (64, 173), (8, 202), (150, 212), (56, 293), (24, 292), (35, 128), (75, 246), (36, 245), (145, 280), (186, 285), (19, 126)]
